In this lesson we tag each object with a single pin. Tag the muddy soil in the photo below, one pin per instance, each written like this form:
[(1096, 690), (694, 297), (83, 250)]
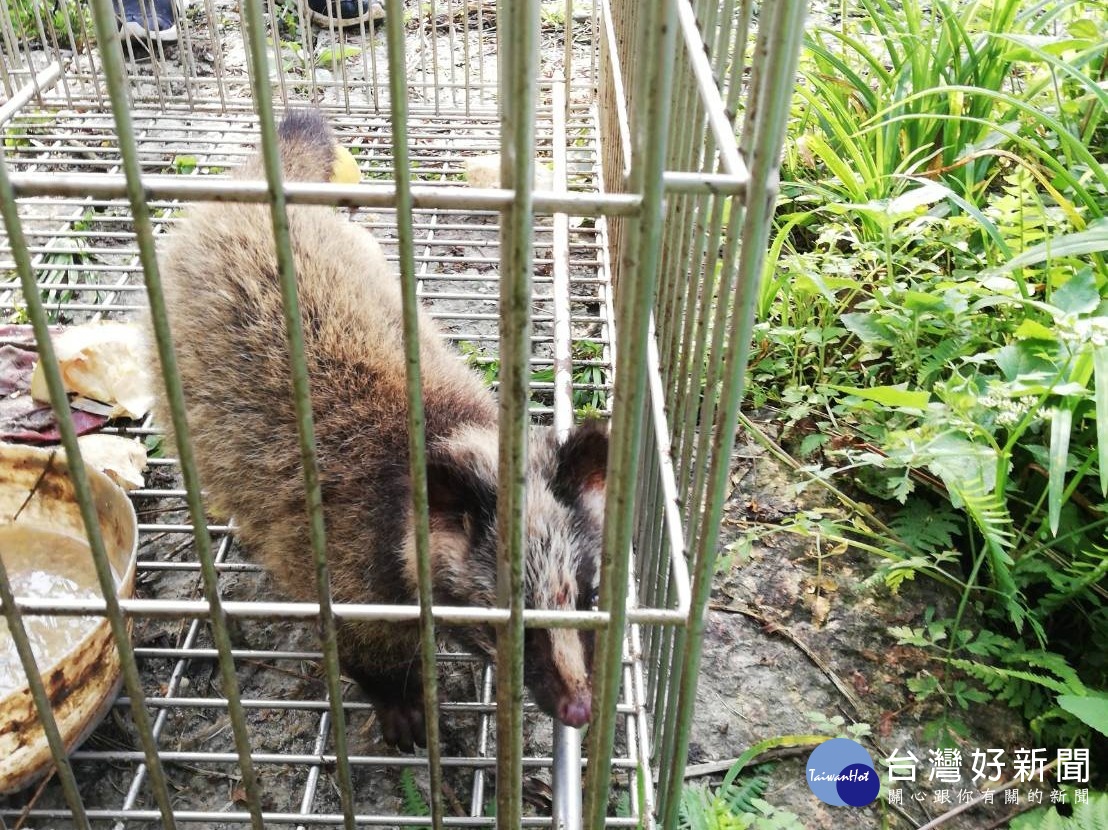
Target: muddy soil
[(797, 642)]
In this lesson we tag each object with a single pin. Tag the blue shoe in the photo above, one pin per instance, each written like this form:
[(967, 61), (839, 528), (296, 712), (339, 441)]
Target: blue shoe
[(343, 13), (148, 19)]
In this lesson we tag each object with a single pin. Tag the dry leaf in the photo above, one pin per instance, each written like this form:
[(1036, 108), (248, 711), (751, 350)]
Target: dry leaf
[(820, 607), (815, 584), (860, 683)]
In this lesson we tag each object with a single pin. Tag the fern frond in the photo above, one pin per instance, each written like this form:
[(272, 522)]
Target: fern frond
[(927, 528), (740, 796), (414, 804), (998, 679), (941, 354), (1090, 815), (693, 808), (1052, 662), (1075, 578), (990, 514)]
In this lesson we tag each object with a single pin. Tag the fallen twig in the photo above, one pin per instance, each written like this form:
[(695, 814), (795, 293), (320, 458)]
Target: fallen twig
[(34, 800), (776, 628), (961, 808)]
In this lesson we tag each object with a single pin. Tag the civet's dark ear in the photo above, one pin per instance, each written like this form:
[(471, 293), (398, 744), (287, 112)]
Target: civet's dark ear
[(461, 485), (582, 467)]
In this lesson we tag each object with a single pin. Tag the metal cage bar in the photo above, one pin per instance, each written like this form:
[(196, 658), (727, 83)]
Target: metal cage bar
[(516, 172), (777, 48), (639, 258), (301, 391), (634, 299), (113, 66), (417, 454)]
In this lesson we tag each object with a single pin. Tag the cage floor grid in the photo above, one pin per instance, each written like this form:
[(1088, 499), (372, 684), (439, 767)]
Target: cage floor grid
[(86, 266)]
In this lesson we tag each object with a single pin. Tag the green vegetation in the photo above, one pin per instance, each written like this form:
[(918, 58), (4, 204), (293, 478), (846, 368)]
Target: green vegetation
[(733, 806), (738, 803), (413, 802), (552, 15), (1090, 815), (296, 61), (590, 377), (287, 19), (23, 131), (65, 23), (183, 165), (61, 270), (933, 327)]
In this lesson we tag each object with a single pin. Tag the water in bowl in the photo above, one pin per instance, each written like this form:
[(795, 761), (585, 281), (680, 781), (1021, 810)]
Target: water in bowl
[(42, 564)]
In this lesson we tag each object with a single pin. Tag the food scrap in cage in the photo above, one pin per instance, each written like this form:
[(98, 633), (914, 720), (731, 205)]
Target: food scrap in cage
[(225, 308)]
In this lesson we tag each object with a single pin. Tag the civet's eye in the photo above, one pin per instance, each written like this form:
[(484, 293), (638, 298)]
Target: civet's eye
[(594, 599)]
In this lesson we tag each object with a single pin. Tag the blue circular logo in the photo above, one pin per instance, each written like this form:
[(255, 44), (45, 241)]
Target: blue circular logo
[(840, 772)]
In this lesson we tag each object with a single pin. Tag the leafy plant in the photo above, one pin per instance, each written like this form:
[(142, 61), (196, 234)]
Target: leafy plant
[(733, 806), (287, 20), (183, 165), (590, 377), (1085, 815), (60, 269), (300, 61), (336, 54), (552, 15), (933, 327), (414, 803), (932, 89), (66, 23), (737, 803), (21, 132)]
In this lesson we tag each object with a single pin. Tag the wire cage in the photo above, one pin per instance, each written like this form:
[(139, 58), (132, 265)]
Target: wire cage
[(608, 265)]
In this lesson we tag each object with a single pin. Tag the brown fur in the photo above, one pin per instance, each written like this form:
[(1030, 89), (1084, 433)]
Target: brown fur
[(223, 296)]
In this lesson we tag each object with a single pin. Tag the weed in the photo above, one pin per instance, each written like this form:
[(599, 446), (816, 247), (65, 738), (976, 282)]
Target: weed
[(738, 803), (22, 131), (287, 20), (552, 15), (590, 377), (155, 446), (1090, 812), (183, 165), (65, 23), (334, 55)]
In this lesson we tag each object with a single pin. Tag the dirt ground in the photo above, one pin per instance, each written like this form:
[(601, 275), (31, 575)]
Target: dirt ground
[(797, 637)]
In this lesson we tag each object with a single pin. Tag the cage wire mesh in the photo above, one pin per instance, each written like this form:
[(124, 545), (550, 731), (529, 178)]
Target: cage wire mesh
[(620, 283)]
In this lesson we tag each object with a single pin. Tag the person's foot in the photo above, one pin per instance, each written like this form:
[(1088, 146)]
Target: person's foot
[(148, 19), (345, 13)]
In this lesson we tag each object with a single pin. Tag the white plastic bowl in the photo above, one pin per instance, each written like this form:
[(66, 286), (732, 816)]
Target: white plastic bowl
[(84, 682)]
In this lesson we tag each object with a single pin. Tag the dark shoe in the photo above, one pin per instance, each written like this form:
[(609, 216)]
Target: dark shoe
[(343, 13), (148, 19)]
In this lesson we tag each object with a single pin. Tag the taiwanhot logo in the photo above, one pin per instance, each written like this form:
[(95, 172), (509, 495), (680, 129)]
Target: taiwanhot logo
[(841, 772)]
